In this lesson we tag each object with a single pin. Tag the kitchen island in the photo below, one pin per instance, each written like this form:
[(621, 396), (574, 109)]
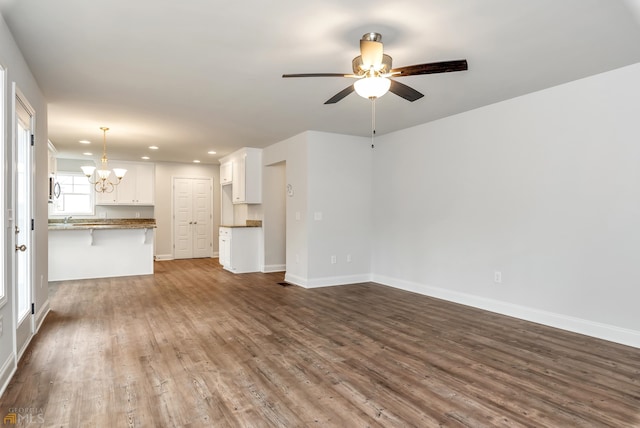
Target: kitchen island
[(89, 248)]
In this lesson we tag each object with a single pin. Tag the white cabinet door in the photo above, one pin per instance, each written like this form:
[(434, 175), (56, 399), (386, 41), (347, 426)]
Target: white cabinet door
[(126, 190), (247, 176), (226, 172), (106, 198), (224, 249), (136, 188), (239, 249), (238, 186), (145, 184)]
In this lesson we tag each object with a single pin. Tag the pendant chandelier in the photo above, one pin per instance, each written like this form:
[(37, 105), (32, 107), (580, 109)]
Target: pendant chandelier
[(101, 180)]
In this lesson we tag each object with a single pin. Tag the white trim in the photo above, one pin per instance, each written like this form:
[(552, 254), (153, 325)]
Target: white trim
[(576, 325), (327, 281), (4, 286), (163, 257), (273, 268), (42, 315), (7, 371)]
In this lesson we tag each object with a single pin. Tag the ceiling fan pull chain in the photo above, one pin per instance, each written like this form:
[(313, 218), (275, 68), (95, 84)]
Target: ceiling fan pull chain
[(373, 120)]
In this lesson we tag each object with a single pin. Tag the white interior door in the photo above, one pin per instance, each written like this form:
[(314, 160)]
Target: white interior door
[(22, 206), (192, 218), (182, 214), (202, 236)]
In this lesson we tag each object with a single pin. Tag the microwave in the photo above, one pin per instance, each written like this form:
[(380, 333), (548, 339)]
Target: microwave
[(54, 189)]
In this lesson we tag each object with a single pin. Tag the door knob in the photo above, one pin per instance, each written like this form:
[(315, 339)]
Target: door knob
[(21, 248)]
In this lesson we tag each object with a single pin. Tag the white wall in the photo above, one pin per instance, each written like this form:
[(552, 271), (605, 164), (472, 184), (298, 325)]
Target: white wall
[(274, 221), (543, 188), (293, 152), (17, 71), (339, 191), (165, 171), (331, 178)]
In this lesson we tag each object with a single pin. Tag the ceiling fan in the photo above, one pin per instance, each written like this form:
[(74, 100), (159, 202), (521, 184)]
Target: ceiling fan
[(372, 69)]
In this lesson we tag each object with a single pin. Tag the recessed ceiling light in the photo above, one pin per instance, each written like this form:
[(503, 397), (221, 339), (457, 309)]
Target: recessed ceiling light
[(84, 142), (88, 154), (145, 157), (154, 147), (196, 161), (211, 152)]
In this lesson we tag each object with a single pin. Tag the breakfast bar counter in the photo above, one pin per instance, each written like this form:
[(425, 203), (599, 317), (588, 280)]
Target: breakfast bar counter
[(83, 249)]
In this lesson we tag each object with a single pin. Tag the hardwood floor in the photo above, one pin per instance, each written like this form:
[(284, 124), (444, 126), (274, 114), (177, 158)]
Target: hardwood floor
[(196, 346)]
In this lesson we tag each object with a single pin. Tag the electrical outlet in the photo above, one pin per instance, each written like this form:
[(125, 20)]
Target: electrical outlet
[(137, 214), (497, 277), (334, 260)]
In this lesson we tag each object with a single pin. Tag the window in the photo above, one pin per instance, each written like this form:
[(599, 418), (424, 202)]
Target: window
[(76, 194)]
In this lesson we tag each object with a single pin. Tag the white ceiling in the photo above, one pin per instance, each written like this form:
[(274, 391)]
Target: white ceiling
[(197, 75)]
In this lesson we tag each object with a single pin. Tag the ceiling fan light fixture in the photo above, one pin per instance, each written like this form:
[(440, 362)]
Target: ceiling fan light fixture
[(372, 87)]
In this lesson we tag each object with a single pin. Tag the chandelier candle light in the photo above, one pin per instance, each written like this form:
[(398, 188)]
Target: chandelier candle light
[(102, 183)]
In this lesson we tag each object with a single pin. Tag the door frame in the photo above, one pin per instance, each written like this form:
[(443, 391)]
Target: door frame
[(21, 345)]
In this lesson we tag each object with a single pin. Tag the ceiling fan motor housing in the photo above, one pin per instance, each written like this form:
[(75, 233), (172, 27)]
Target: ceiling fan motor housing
[(360, 69)]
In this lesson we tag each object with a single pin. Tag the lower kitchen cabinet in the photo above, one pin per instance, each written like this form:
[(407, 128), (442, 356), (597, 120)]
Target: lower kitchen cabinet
[(239, 249)]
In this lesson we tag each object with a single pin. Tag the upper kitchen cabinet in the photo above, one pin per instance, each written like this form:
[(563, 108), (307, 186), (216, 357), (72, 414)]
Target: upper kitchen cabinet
[(52, 160), (136, 188), (226, 172), (246, 187)]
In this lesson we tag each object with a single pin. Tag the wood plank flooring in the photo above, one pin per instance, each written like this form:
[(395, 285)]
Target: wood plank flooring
[(196, 346)]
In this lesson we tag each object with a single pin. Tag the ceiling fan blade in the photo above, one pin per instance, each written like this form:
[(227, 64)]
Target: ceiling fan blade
[(340, 95), (319, 75), (404, 91), (431, 68)]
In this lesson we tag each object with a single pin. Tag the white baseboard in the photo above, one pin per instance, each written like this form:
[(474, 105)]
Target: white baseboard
[(273, 268), (7, 371), (327, 281), (41, 315), (577, 325), (161, 257)]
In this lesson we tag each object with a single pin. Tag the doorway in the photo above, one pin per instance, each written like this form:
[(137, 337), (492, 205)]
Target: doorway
[(22, 202), (192, 218)]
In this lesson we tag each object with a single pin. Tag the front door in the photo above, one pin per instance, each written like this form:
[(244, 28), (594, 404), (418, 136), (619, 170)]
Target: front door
[(22, 206)]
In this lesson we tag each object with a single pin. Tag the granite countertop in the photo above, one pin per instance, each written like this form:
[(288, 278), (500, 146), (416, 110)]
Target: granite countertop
[(112, 223), (249, 223)]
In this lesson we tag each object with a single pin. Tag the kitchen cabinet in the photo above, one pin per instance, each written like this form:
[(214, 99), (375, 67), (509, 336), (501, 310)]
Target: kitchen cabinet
[(239, 249), (247, 176), (226, 173), (245, 168), (136, 188), (52, 162)]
